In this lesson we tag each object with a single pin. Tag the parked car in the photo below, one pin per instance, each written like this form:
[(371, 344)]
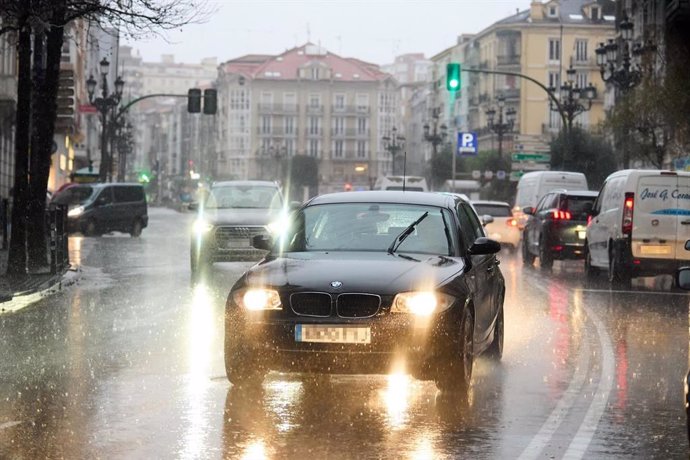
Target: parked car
[(533, 186), (362, 281), (556, 228), (640, 224), (231, 214), (504, 227), (95, 209)]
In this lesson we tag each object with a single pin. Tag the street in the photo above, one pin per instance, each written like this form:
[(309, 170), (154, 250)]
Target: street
[(128, 363)]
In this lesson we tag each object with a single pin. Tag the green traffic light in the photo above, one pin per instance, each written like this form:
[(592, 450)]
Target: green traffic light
[(453, 80)]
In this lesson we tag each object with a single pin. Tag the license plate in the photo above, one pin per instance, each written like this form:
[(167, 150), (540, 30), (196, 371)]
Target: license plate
[(238, 243), (332, 334), (654, 250), (582, 234)]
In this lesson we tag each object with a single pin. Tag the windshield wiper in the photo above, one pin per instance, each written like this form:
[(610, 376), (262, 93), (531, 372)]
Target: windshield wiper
[(405, 233)]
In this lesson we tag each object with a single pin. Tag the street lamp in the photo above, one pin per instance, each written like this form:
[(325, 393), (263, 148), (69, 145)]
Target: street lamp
[(105, 104), (394, 144), (435, 137), (620, 60), (501, 127)]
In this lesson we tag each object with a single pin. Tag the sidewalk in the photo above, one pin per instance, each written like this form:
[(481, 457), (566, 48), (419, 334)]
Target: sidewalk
[(12, 287)]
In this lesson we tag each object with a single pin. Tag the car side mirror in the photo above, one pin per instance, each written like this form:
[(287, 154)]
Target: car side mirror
[(528, 210), (484, 246), (487, 219), (194, 206), (683, 275), (264, 242)]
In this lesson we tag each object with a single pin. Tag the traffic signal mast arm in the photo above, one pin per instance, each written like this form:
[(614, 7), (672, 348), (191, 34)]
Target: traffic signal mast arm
[(553, 98), (139, 99)]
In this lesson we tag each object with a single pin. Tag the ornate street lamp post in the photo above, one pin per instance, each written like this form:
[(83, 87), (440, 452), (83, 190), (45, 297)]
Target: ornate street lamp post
[(105, 104), (501, 127), (394, 144), (435, 137)]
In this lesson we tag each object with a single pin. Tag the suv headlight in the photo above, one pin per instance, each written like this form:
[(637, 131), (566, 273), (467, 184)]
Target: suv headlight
[(200, 227), (75, 212), (256, 299), (421, 303)]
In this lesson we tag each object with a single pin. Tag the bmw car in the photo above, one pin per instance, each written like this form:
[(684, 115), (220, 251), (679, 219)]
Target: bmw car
[(370, 282)]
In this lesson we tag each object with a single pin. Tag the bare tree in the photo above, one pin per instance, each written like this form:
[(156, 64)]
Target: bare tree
[(45, 22)]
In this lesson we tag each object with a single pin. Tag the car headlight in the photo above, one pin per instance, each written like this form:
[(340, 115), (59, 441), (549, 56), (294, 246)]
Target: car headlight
[(75, 212), (421, 303), (201, 226), (256, 299)]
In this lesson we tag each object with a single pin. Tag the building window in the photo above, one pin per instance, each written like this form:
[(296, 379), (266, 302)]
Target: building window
[(581, 50), (581, 80), (362, 102), (362, 125), (289, 125), (552, 11), (338, 147), (313, 149), (314, 125), (361, 149), (265, 125), (554, 49), (555, 80), (290, 101), (339, 102), (596, 13), (290, 147), (314, 73), (338, 125)]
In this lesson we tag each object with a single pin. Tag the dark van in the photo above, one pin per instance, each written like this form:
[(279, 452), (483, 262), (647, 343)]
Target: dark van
[(95, 209)]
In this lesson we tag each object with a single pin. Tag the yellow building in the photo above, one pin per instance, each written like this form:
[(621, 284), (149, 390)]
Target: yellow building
[(542, 43)]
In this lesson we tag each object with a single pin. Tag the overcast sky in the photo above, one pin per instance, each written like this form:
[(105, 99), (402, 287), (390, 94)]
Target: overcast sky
[(372, 30)]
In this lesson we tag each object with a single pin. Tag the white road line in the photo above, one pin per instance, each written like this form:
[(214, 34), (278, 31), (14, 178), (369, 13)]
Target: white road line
[(4, 426), (585, 433), (567, 401)]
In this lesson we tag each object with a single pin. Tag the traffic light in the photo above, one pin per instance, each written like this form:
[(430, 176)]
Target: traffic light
[(453, 80), (210, 101), (194, 100), (144, 177)]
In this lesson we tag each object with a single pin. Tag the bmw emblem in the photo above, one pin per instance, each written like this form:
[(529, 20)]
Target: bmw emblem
[(336, 284)]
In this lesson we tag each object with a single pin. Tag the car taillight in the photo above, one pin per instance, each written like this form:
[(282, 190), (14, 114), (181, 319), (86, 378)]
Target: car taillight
[(511, 222), (589, 220), (561, 215), (628, 208)]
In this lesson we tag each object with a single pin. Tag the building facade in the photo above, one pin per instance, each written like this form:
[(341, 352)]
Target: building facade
[(306, 101), (8, 102)]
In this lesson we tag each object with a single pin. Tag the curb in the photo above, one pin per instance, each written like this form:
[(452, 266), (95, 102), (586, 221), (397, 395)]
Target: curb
[(52, 286)]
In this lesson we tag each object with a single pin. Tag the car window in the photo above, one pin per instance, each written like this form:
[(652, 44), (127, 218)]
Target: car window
[(128, 194), (243, 197), (494, 210), (470, 227), (106, 196), (579, 206), (74, 195), (368, 227)]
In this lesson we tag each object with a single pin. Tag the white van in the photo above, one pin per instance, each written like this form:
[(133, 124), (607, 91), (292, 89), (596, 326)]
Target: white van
[(534, 185), (412, 183), (640, 225)]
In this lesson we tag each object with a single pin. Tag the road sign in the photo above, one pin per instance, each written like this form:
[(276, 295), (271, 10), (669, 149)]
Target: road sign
[(488, 175), (500, 174), (467, 144), (536, 157), (516, 175), (476, 174), (530, 166)]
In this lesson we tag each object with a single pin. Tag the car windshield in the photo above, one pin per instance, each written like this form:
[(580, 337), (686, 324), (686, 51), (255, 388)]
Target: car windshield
[(75, 195), (368, 227), (243, 197), (494, 210)]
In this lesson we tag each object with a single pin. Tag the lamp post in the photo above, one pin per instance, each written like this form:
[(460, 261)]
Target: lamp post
[(573, 101), (105, 104), (435, 137), (394, 144), (501, 127), (620, 63)]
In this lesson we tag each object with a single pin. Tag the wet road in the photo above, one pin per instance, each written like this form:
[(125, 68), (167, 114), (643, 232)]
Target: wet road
[(129, 364)]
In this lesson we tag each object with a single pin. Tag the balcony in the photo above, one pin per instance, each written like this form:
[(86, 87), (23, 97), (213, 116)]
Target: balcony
[(350, 132), (511, 94), (350, 109), (277, 109), (313, 132), (589, 63), (508, 60), (315, 109), (349, 155), (276, 131)]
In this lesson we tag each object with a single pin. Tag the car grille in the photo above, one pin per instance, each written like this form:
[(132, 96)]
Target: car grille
[(311, 304), (237, 237), (358, 305)]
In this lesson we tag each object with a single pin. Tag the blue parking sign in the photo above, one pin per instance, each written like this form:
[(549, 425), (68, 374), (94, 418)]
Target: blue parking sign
[(467, 144)]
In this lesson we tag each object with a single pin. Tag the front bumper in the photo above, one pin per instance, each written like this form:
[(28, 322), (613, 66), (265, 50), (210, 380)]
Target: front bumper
[(396, 339)]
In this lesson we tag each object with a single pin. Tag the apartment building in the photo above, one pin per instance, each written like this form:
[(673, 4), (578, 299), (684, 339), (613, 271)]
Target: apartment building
[(305, 101), (8, 101)]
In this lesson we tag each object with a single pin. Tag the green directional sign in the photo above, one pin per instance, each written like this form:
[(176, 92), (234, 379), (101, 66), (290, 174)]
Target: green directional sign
[(516, 175), (536, 157)]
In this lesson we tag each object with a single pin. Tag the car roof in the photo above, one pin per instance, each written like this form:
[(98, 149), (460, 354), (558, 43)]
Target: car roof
[(257, 183), (387, 196), (491, 203), (591, 193), (113, 184)]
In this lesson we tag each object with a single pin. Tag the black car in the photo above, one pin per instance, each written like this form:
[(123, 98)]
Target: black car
[(364, 282), (556, 228), (231, 214)]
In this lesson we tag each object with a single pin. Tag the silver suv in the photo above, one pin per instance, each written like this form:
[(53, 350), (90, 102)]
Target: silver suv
[(230, 215)]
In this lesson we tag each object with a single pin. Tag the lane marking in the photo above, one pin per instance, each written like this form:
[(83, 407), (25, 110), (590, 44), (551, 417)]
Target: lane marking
[(565, 403), (585, 434), (633, 292), (4, 426)]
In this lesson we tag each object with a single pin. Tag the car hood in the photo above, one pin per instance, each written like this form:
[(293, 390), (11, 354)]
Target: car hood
[(380, 273), (236, 216)]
